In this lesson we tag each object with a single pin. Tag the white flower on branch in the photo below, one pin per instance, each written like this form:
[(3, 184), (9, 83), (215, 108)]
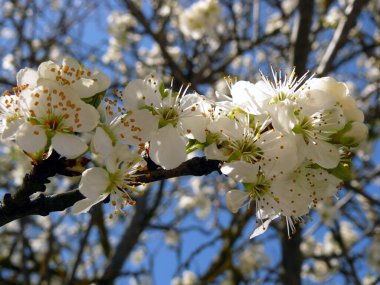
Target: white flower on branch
[(113, 179), (247, 150), (291, 195), (83, 82), (177, 117), (52, 117)]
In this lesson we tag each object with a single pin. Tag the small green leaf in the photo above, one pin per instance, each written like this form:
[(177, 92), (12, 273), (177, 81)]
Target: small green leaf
[(235, 112), (342, 171), (162, 123), (149, 108), (96, 99), (164, 93), (234, 156), (297, 129)]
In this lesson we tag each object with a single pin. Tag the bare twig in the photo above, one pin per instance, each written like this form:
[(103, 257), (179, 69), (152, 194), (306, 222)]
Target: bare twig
[(345, 25)]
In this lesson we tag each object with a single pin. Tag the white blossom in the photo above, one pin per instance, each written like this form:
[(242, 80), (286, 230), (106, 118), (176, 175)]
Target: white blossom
[(178, 116), (188, 278), (82, 82), (199, 19), (113, 179), (52, 116), (291, 195)]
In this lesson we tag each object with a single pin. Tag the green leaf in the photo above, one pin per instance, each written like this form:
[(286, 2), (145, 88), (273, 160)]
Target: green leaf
[(342, 171), (297, 129), (164, 93), (149, 108), (234, 156), (96, 99), (162, 123), (193, 145), (341, 138), (234, 112)]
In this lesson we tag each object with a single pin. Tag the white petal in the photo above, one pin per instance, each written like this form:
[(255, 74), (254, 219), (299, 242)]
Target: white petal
[(94, 182), (71, 62), (314, 100), (88, 117), (194, 127), (190, 100), (85, 87), (137, 128), (68, 145), (44, 70), (351, 110), (11, 128), (212, 152), (263, 227), (103, 80), (280, 153), (194, 116), (138, 94), (27, 76), (324, 184), (263, 94), (235, 199), (323, 153), (85, 205), (241, 171), (168, 147), (230, 128), (329, 121), (330, 86), (357, 133), (244, 95), (121, 155), (153, 81), (102, 142), (31, 138), (282, 115), (292, 198)]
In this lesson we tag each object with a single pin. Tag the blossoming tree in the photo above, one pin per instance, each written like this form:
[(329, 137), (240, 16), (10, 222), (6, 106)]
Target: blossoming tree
[(277, 145)]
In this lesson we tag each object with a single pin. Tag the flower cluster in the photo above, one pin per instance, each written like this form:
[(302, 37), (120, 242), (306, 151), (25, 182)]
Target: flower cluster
[(199, 19), (287, 140)]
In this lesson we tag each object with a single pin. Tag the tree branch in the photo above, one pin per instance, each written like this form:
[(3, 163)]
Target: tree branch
[(298, 55), (300, 43), (131, 235), (345, 25), (20, 205)]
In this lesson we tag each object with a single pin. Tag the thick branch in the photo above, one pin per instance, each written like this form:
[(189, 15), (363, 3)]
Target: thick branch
[(196, 166), (300, 42), (299, 52), (42, 205), (224, 257), (19, 205), (139, 222)]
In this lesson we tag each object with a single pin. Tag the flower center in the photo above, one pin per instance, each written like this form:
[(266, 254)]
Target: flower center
[(259, 188), (281, 96), (53, 123), (246, 150), (304, 128), (169, 115)]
